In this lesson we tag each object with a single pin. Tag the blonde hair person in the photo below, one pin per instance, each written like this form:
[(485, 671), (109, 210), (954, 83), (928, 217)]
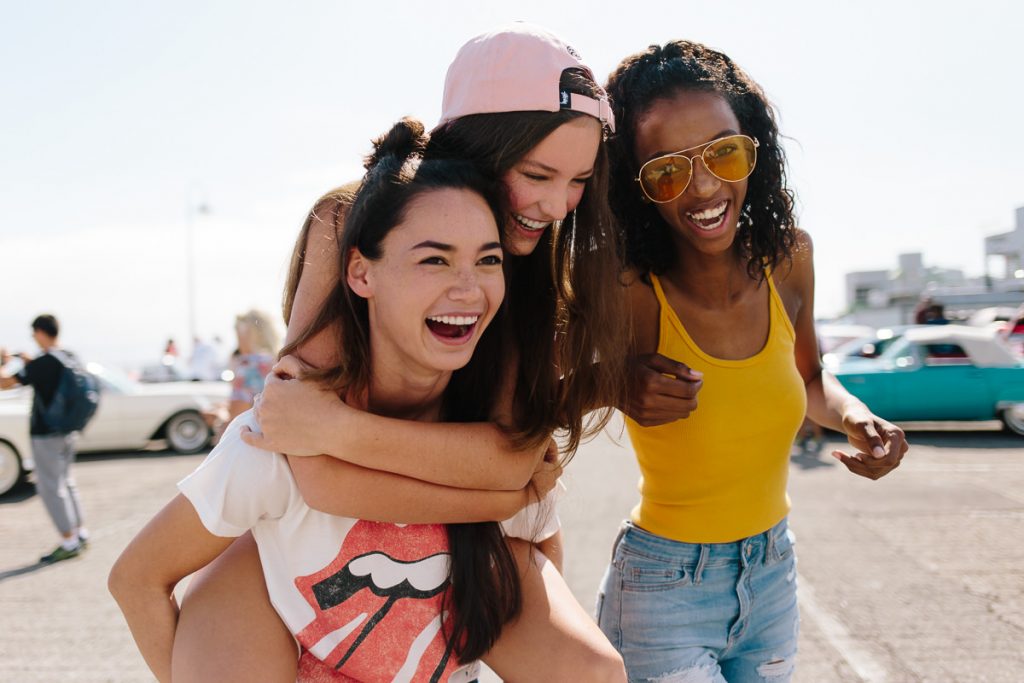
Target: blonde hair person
[(258, 344)]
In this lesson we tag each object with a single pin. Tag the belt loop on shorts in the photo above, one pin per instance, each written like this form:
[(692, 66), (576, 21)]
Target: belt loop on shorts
[(769, 547), (701, 561), (618, 538)]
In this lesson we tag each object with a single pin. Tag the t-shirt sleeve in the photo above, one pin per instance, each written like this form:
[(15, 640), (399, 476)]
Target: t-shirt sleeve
[(41, 373), (537, 521), (237, 485)]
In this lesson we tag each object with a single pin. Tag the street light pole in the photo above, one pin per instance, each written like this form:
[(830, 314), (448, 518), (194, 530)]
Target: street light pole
[(192, 209)]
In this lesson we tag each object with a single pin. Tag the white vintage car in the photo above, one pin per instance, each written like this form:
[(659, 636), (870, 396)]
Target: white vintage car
[(130, 416)]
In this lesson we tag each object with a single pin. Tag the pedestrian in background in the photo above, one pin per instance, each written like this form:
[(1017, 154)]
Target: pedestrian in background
[(52, 450), (258, 343)]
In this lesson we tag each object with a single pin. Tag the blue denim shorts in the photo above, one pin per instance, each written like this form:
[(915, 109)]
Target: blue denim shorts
[(722, 612)]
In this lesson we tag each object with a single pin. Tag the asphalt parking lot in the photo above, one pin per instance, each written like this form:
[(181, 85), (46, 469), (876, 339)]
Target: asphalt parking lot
[(916, 577)]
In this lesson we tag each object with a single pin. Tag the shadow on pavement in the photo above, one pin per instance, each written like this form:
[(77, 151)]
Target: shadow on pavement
[(966, 439), (27, 569), (19, 493), (134, 455), (813, 454)]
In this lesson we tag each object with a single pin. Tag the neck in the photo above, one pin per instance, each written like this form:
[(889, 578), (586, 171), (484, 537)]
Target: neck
[(712, 280), (394, 394)]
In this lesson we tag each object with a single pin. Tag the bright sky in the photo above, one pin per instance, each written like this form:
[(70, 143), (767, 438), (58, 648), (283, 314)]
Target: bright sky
[(118, 118)]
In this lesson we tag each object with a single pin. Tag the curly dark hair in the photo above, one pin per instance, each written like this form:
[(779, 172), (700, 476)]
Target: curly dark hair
[(767, 227)]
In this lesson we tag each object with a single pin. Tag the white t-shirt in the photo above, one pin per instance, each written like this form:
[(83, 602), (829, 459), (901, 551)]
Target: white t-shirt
[(367, 594)]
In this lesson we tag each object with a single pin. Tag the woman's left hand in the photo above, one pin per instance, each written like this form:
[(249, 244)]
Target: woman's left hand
[(880, 445)]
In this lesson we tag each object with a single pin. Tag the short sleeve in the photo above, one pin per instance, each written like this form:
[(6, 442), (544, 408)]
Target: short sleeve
[(537, 521), (238, 485)]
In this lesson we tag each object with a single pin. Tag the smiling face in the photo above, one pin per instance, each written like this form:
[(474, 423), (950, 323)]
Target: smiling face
[(548, 183), (435, 288), (706, 215)]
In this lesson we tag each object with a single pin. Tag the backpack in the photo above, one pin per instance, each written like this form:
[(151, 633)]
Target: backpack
[(75, 401)]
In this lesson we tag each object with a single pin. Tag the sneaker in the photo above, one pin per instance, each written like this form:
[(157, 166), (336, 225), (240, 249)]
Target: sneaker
[(61, 553), (83, 542)]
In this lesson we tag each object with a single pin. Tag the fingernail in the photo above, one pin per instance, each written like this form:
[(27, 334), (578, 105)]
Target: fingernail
[(878, 452), (696, 373)]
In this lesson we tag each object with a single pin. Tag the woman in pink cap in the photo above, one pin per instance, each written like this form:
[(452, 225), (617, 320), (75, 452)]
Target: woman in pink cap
[(522, 107)]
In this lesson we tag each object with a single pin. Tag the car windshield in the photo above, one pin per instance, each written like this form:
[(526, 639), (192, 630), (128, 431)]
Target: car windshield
[(111, 379)]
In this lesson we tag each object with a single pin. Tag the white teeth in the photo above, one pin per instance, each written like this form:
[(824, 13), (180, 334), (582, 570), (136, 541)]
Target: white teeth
[(709, 214), (455, 319), (530, 224)]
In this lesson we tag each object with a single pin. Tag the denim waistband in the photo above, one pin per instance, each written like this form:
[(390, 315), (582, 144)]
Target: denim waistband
[(651, 545)]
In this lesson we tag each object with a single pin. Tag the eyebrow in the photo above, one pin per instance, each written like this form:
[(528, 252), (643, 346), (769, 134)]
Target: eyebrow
[(719, 134), (554, 171), (441, 246)]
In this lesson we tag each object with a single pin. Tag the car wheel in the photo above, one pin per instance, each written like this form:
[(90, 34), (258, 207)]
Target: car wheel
[(1013, 418), (187, 432), (10, 468)]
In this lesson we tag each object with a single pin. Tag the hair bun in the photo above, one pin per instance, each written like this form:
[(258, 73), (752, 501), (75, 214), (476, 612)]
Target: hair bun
[(406, 138)]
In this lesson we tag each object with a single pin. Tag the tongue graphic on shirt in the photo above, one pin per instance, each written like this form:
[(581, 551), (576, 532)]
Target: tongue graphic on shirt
[(378, 604)]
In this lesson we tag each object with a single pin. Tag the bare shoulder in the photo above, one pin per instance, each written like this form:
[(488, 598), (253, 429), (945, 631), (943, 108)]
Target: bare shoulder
[(644, 312), (796, 274), (327, 220)]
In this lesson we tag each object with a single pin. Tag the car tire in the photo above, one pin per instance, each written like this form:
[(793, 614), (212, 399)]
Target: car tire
[(187, 432), (1013, 418), (11, 471)]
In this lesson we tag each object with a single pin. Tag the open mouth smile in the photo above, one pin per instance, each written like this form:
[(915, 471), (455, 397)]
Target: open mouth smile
[(530, 225), (452, 329), (710, 218)]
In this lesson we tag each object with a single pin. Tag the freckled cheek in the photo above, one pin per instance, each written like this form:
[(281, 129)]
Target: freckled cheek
[(575, 196), (518, 199)]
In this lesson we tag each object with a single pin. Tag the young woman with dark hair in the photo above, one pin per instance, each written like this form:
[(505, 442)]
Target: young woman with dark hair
[(421, 258), (541, 139), (702, 581)]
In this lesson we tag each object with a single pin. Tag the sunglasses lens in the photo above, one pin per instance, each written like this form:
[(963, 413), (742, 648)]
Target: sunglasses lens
[(663, 179), (732, 158)]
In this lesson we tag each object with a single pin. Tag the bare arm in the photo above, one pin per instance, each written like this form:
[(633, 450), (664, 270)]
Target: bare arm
[(660, 389), (880, 444), (340, 488), (173, 545)]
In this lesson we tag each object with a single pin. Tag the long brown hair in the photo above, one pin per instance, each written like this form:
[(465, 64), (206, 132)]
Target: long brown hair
[(485, 589), (566, 299)]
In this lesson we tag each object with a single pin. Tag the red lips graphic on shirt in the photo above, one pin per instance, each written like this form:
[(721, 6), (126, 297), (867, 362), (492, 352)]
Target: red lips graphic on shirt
[(378, 605)]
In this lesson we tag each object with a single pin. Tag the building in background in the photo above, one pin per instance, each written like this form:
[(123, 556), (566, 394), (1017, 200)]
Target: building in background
[(888, 297)]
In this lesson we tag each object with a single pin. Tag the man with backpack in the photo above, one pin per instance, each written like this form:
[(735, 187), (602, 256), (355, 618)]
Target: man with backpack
[(65, 398)]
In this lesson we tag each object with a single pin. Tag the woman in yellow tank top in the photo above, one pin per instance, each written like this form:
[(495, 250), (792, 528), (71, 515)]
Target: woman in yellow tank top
[(702, 580)]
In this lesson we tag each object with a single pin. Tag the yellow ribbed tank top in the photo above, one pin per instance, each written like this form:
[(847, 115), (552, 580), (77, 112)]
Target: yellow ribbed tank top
[(720, 474)]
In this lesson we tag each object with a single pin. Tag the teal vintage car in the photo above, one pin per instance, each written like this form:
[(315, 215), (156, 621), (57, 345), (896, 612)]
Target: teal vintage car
[(941, 372)]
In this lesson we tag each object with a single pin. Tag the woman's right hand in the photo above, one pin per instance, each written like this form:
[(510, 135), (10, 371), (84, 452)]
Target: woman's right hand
[(548, 471), (661, 390), (292, 412)]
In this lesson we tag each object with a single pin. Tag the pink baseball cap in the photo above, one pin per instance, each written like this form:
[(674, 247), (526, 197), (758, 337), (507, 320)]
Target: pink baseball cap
[(517, 68)]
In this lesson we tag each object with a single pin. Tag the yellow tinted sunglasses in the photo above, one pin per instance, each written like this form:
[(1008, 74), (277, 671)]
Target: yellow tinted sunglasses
[(731, 159)]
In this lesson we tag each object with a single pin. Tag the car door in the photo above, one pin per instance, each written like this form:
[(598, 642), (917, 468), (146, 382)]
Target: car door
[(940, 382), (116, 424)]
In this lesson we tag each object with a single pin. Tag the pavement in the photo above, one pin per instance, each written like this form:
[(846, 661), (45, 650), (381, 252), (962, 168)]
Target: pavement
[(916, 577)]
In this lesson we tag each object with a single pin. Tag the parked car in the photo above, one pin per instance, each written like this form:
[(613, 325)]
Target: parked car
[(833, 335), (943, 372), (870, 345), (131, 415)]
